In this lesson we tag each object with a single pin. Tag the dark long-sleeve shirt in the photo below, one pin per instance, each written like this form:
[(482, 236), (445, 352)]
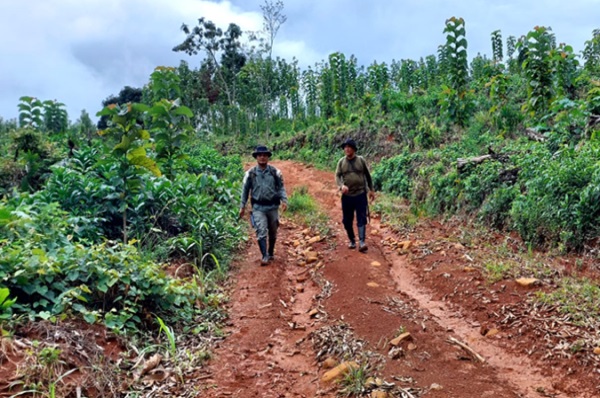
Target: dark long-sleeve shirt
[(354, 174)]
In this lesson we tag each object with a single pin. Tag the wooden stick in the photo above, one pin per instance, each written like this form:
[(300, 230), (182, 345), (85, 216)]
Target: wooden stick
[(465, 347)]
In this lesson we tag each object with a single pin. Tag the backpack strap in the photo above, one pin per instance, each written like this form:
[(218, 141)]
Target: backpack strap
[(273, 172)]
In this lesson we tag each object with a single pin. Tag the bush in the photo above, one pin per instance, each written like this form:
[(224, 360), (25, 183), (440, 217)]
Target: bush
[(50, 274)]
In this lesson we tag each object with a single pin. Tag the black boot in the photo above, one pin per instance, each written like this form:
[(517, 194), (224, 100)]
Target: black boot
[(262, 243), (362, 245), (351, 238), (271, 248)]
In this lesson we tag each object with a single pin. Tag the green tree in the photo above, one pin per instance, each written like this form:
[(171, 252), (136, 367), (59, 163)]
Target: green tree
[(56, 119), (130, 153), (591, 54), (207, 38), (497, 50), (85, 126), (537, 65), (126, 95), (31, 112)]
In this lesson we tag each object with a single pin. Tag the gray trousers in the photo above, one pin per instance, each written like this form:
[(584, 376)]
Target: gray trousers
[(265, 223)]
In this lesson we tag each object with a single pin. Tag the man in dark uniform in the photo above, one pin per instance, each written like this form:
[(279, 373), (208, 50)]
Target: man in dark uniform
[(354, 181), (263, 184)]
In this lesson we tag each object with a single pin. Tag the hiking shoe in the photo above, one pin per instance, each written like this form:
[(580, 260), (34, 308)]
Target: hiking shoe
[(352, 245), (362, 247), (271, 257), (264, 260)]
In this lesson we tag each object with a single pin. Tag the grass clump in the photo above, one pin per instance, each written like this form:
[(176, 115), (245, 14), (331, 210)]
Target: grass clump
[(304, 208)]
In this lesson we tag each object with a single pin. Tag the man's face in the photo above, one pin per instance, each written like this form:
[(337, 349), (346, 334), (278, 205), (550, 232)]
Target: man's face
[(349, 151), (262, 159)]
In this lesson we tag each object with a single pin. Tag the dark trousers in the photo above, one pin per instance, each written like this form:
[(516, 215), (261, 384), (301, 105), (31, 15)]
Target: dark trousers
[(350, 205)]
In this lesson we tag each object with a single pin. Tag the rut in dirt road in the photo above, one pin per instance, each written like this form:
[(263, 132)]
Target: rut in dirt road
[(278, 312)]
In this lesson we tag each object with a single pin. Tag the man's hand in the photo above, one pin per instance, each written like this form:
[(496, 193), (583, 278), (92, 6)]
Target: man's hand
[(242, 212), (283, 206), (372, 196), (344, 189)]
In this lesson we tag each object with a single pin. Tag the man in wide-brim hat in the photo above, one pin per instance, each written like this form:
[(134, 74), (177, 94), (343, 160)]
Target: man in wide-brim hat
[(263, 184)]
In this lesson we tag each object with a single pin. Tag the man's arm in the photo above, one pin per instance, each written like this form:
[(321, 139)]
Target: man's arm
[(369, 181), (339, 180), (245, 193), (282, 194)]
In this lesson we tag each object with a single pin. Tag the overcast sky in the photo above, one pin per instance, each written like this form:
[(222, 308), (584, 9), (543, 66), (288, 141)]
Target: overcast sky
[(79, 52)]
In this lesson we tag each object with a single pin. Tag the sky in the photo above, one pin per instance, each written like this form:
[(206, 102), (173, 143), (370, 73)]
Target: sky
[(79, 52)]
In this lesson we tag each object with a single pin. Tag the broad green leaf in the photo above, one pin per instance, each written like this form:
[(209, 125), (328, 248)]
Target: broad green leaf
[(137, 152), (185, 111), (147, 163), (140, 107), (144, 134), (124, 145)]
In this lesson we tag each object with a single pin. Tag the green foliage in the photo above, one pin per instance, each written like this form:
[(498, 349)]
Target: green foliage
[(537, 66), (31, 112), (300, 202), (456, 53), (50, 274), (56, 119), (165, 84), (497, 46), (394, 174), (130, 152), (495, 209), (578, 299), (591, 53), (428, 134), (168, 331), (32, 155), (561, 196), (303, 206), (207, 37), (171, 128), (5, 303), (354, 382)]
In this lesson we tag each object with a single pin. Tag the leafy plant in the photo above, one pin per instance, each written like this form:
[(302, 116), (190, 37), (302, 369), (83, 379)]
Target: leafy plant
[(5, 304), (354, 382), (302, 205), (130, 153), (31, 112), (168, 331)]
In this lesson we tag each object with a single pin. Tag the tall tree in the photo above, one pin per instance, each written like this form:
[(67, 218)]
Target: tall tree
[(206, 37), (273, 18)]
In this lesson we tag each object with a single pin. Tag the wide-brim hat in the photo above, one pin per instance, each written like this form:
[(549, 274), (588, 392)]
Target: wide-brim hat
[(349, 142), (261, 149)]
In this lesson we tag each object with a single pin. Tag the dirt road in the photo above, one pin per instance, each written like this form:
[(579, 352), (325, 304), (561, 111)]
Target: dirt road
[(321, 300)]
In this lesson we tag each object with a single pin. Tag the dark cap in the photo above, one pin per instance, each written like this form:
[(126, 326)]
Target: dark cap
[(261, 149), (349, 142)]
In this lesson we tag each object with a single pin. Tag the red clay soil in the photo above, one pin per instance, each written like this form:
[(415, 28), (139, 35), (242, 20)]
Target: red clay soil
[(429, 290)]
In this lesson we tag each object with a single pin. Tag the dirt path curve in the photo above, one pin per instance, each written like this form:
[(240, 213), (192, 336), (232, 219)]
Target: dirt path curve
[(276, 312)]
